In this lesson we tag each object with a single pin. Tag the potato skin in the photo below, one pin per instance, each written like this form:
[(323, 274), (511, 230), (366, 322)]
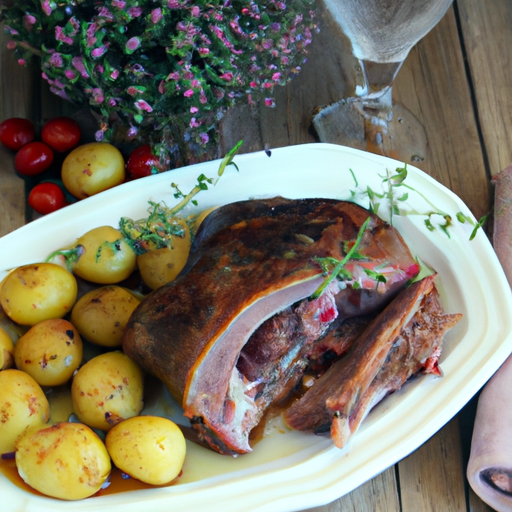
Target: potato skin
[(151, 449), (67, 461), (50, 352), (33, 293), (107, 390), (22, 405), (92, 168), (102, 314), (107, 258), (6, 351)]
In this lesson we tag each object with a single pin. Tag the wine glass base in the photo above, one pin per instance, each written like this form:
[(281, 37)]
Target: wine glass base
[(393, 132)]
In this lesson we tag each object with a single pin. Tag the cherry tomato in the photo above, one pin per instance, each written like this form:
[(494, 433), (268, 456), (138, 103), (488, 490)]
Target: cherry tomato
[(61, 134), (16, 132), (46, 197), (142, 162), (33, 158)]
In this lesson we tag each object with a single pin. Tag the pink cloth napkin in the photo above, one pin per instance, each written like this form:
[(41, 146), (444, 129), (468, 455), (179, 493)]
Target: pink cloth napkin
[(489, 468), (490, 463)]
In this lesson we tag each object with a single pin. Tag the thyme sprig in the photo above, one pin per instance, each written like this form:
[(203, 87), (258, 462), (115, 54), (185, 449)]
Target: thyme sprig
[(339, 264), (396, 198), (164, 223)]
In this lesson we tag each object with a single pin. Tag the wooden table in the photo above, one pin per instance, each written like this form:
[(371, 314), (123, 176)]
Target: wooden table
[(457, 82)]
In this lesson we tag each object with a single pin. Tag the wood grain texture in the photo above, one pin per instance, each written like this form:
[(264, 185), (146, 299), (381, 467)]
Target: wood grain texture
[(436, 88), (432, 478), (433, 85), (486, 28), (17, 89), (378, 495)]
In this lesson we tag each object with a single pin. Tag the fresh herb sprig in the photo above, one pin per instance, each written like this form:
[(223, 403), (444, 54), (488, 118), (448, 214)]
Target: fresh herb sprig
[(396, 197), (163, 223), (339, 266)]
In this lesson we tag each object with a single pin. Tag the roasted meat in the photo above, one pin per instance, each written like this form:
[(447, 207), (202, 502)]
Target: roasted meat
[(401, 341), (228, 336)]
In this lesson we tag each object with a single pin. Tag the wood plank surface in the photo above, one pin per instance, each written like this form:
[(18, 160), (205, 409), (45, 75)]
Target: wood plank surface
[(17, 90), (487, 35), (466, 109)]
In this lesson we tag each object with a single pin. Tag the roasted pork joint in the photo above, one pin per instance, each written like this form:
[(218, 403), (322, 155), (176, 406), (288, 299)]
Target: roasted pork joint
[(401, 341), (229, 337)]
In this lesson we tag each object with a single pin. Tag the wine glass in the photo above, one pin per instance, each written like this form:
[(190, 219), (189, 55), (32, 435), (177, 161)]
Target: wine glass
[(381, 34)]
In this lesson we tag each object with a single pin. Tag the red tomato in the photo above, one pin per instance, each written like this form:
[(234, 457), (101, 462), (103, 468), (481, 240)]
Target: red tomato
[(142, 162), (46, 197), (33, 158), (61, 134), (16, 132)]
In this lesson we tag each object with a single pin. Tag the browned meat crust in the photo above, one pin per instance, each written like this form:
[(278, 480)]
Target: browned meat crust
[(257, 260), (397, 344)]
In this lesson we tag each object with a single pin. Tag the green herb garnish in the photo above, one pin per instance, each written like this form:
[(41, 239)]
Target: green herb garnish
[(339, 265)]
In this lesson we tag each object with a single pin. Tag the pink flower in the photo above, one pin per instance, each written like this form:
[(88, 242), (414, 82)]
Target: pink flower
[(60, 36), (22, 62), (195, 83), (29, 21), (194, 123), (46, 6), (227, 76), (132, 91), (70, 74), (269, 102), (173, 4), (194, 110), (204, 51), (204, 138), (173, 76), (133, 43), (11, 45), (135, 12), (276, 76), (195, 11), (161, 87), (56, 60), (114, 74), (97, 95), (118, 3), (188, 93), (156, 15), (142, 105), (78, 64), (98, 52)]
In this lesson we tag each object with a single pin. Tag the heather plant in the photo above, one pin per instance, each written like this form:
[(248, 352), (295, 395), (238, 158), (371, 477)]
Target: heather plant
[(163, 71)]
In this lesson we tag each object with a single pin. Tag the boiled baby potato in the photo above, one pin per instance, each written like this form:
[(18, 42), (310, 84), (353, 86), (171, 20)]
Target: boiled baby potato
[(50, 352), (149, 448), (106, 258), (22, 405), (92, 168), (102, 314), (6, 351), (107, 390), (161, 266), (200, 218), (33, 293), (67, 461)]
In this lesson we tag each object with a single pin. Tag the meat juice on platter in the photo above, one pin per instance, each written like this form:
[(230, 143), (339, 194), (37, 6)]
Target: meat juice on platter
[(243, 326)]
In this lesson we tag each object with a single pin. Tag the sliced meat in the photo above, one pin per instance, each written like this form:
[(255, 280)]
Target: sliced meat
[(258, 260), (402, 340)]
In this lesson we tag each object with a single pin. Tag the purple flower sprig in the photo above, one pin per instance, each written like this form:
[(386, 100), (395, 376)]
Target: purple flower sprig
[(163, 69)]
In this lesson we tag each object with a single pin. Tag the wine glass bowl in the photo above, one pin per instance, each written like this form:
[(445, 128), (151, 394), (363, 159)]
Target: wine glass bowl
[(381, 34)]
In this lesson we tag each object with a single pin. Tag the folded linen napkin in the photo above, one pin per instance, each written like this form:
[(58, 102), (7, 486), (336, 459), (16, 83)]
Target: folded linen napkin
[(489, 468)]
